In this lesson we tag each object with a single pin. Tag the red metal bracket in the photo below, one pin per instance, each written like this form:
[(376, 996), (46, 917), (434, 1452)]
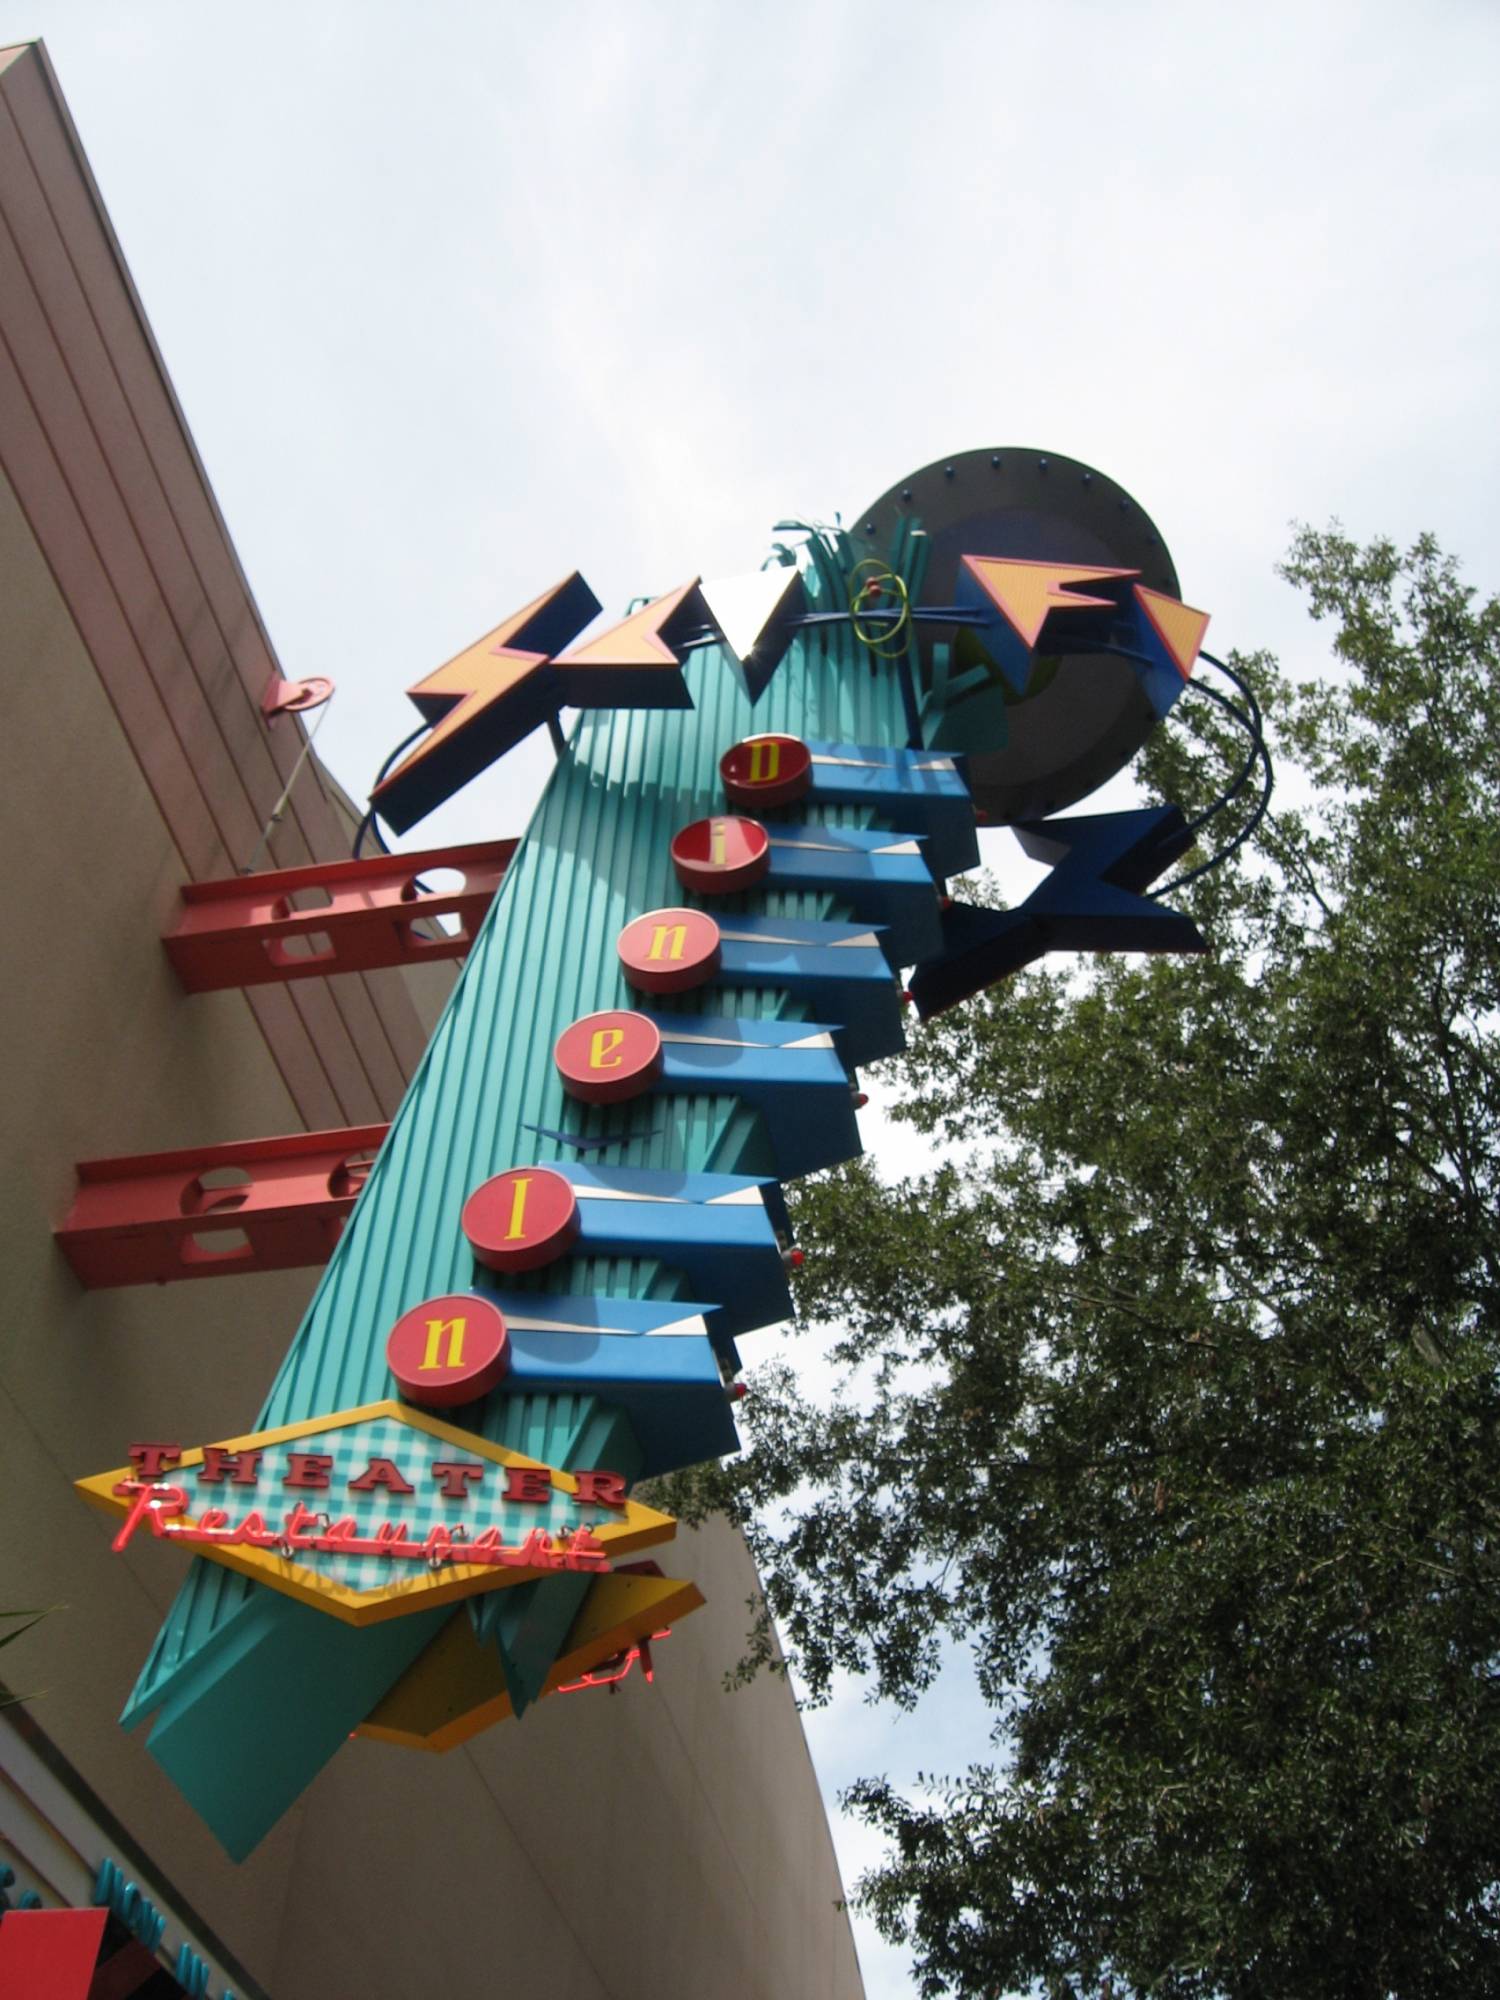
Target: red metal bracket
[(335, 916), (259, 1205), (294, 697)]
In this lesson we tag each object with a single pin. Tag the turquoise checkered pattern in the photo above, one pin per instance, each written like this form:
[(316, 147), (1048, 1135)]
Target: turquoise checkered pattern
[(414, 1453)]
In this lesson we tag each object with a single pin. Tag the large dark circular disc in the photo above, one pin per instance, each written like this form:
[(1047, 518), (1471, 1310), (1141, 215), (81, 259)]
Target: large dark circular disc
[(1082, 721)]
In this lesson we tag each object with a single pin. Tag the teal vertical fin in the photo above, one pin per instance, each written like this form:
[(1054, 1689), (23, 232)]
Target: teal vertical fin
[(243, 1735), (529, 1635), (528, 1624)]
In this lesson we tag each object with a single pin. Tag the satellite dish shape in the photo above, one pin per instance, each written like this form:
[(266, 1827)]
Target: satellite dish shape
[(1080, 714)]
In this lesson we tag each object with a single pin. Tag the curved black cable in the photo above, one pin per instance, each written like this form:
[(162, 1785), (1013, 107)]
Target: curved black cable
[(1253, 723), (365, 829), (1242, 775), (368, 825), (1259, 750), (404, 745), (1231, 846), (1233, 674)]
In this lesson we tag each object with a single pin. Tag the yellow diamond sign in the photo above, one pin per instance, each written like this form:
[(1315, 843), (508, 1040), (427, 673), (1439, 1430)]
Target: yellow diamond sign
[(376, 1512)]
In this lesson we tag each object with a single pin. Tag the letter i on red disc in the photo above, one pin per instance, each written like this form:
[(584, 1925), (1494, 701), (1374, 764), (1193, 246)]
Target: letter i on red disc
[(718, 856)]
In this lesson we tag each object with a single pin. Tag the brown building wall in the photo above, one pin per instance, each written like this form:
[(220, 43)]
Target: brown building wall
[(662, 1841)]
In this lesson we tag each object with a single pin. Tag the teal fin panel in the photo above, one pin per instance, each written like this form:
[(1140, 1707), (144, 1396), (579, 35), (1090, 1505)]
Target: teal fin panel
[(529, 1633), (529, 1624), (244, 1735)]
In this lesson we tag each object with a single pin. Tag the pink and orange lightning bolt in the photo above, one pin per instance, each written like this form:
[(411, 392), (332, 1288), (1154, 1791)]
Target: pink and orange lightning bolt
[(484, 701)]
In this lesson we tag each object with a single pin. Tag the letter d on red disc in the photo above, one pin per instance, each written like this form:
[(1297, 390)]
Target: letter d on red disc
[(767, 771), (522, 1219), (449, 1350)]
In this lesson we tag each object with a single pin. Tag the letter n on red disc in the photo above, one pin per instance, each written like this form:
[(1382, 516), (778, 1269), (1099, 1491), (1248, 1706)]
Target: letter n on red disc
[(449, 1350), (607, 1058), (718, 856), (521, 1219), (767, 771), (669, 951)]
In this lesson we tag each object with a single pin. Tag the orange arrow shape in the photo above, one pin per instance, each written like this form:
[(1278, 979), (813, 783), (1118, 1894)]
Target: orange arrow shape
[(1026, 592), (484, 700), (637, 641), (1179, 627)]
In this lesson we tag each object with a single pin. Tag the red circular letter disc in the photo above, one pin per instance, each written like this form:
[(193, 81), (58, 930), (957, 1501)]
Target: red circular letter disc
[(667, 951), (606, 1058), (766, 771), (448, 1350), (718, 856), (521, 1219)]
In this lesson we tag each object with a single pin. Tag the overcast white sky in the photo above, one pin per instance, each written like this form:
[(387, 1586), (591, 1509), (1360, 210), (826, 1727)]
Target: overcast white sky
[(459, 297)]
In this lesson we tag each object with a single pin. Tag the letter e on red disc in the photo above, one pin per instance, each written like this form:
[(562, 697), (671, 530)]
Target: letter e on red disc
[(522, 1219), (766, 771), (607, 1058), (718, 856), (448, 1350), (669, 951)]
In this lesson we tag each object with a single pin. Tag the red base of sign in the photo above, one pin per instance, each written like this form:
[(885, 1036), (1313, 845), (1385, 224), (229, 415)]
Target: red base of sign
[(253, 931)]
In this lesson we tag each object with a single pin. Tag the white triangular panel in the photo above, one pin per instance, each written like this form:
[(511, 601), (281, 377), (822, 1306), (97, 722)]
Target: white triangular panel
[(752, 614)]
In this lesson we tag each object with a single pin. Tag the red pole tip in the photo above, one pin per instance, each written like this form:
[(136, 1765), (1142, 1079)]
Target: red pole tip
[(945, 902), (981, 817), (861, 1099), (796, 1259), (737, 1391), (908, 998)]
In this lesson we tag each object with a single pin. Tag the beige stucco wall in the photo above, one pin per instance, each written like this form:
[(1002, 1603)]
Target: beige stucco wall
[(661, 1841)]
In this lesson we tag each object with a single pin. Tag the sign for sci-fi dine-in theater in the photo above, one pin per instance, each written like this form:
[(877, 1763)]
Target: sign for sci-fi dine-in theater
[(739, 860)]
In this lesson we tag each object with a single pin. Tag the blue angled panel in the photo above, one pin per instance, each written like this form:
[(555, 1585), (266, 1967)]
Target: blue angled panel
[(652, 1360), (915, 791), (838, 968), (882, 877), (720, 1229), (1092, 901), (789, 1070)]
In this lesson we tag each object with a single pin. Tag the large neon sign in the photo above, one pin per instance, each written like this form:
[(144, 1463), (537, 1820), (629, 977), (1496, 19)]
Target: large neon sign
[(742, 860)]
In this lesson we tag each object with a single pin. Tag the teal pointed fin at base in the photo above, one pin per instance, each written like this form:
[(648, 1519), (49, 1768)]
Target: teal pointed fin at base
[(243, 1737)]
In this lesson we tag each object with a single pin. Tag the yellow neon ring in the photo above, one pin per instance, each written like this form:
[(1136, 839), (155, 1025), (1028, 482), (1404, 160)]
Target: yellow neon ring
[(890, 643), (880, 642)]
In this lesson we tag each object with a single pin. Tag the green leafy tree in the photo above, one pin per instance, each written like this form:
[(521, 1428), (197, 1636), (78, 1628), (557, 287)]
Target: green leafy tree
[(1178, 1395)]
